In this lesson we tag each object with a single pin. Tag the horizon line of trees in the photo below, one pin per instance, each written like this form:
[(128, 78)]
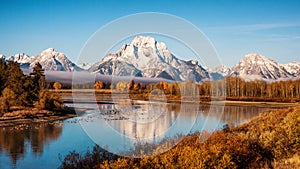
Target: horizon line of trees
[(235, 87), (238, 87)]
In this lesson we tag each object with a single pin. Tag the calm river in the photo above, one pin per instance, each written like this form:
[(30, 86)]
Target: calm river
[(116, 126)]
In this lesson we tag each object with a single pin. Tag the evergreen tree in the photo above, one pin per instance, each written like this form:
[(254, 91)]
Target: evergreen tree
[(15, 81), (130, 85), (29, 95), (3, 75), (38, 76)]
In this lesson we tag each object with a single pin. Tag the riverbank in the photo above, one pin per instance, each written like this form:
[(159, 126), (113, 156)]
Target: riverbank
[(23, 115), (251, 103)]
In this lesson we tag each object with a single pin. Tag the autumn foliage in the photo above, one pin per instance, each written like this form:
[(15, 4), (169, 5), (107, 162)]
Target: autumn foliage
[(231, 88)]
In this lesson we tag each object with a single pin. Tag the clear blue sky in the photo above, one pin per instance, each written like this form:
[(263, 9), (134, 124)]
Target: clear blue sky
[(235, 27)]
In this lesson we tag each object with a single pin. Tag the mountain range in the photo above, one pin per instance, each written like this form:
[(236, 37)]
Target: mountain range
[(50, 59), (255, 66), (145, 57)]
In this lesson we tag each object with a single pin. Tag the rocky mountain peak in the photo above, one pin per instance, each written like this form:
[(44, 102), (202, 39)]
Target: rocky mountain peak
[(143, 41), (146, 57), (256, 66)]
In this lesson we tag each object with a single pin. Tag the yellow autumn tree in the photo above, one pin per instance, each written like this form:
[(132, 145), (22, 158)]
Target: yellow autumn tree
[(122, 86), (99, 85), (7, 100), (57, 86)]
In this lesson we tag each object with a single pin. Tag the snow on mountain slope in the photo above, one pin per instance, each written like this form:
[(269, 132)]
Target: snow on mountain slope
[(85, 66), (20, 58), (219, 72), (146, 57), (255, 66), (292, 68), (50, 59), (2, 57), (222, 69)]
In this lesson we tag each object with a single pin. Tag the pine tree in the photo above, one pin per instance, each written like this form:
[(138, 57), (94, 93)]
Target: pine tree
[(15, 81), (130, 85), (3, 75), (38, 76)]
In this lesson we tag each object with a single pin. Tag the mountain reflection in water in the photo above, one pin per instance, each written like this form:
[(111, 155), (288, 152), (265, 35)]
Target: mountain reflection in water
[(128, 123)]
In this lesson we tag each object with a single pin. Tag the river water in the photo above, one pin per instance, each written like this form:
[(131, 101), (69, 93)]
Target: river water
[(115, 126)]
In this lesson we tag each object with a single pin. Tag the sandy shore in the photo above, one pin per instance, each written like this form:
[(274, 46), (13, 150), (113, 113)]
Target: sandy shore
[(32, 115), (12, 122)]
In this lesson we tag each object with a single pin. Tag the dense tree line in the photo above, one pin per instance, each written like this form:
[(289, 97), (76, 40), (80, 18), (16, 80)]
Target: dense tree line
[(18, 89), (233, 87), (238, 87)]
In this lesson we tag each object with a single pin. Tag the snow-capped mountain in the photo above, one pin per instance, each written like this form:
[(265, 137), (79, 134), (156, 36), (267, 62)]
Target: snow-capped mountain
[(2, 57), (222, 69), (50, 59), (145, 57), (20, 58), (255, 66), (85, 66), (292, 68), (219, 72)]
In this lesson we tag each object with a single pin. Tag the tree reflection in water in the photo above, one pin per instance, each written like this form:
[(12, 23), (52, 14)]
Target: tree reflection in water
[(18, 139)]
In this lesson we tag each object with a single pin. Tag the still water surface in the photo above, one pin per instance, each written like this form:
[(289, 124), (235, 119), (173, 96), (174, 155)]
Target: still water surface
[(39, 145)]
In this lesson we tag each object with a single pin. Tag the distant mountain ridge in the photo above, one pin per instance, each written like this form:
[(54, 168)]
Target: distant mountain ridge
[(145, 57), (219, 72), (256, 66), (292, 68), (50, 59)]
